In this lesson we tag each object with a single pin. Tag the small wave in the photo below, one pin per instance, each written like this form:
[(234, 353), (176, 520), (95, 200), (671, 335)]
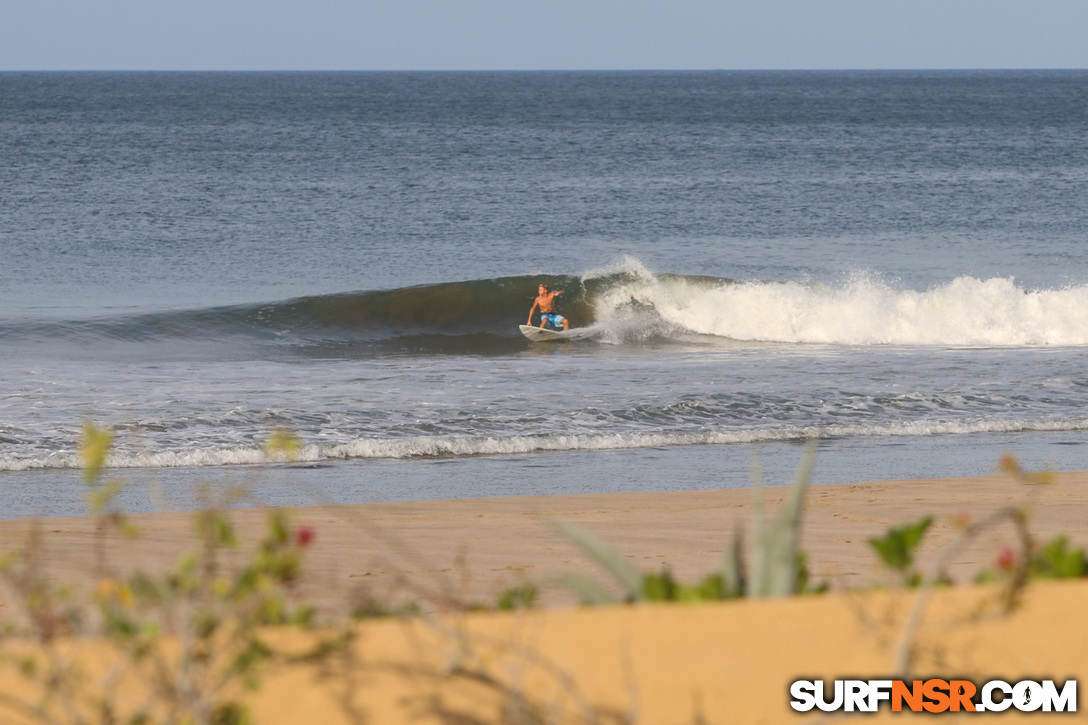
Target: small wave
[(462, 446)]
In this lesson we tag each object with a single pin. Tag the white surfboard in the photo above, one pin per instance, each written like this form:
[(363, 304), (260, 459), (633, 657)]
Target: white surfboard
[(540, 334)]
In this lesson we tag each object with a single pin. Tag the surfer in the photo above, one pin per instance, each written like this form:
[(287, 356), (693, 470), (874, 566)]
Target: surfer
[(545, 300)]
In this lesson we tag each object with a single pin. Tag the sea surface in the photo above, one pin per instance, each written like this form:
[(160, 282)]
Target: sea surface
[(893, 263)]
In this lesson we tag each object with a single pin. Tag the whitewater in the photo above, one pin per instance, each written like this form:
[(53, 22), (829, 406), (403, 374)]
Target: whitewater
[(860, 311)]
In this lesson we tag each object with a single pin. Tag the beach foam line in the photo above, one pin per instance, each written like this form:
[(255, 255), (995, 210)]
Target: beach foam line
[(461, 446)]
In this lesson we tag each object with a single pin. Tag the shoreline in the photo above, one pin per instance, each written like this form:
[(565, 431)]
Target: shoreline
[(61, 493)]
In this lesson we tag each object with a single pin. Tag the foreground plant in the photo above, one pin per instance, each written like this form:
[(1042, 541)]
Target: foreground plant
[(1056, 559), (214, 616), (778, 566), (896, 549), (1016, 566), (194, 636)]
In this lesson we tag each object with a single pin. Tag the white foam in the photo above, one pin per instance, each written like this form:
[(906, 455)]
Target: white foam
[(455, 446), (626, 265), (861, 311)]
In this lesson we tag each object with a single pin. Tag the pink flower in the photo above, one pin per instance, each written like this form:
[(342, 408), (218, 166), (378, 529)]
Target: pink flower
[(305, 536), (1006, 560)]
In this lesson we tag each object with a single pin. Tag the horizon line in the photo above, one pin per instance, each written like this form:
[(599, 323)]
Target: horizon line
[(829, 69)]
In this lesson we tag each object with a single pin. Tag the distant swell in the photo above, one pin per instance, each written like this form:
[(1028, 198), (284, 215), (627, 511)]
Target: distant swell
[(459, 446), (622, 305)]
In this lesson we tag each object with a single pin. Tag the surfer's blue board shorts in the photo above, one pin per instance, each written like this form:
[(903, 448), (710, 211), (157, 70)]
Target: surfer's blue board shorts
[(554, 320)]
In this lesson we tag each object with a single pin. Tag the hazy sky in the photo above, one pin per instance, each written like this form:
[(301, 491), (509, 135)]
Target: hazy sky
[(540, 34)]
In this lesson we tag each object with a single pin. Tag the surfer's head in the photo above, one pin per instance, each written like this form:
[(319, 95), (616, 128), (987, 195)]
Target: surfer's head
[(543, 287)]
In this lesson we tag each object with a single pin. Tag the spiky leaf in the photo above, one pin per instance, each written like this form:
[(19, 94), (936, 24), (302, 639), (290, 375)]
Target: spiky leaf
[(616, 564)]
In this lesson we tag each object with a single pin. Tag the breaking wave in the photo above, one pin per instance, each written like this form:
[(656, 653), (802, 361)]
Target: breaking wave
[(862, 310), (625, 304)]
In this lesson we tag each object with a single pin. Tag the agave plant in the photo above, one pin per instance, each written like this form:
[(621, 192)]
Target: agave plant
[(777, 567)]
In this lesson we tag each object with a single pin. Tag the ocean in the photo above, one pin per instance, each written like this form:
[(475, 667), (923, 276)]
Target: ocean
[(893, 263)]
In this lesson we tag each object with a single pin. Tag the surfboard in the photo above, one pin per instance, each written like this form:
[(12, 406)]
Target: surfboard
[(540, 334)]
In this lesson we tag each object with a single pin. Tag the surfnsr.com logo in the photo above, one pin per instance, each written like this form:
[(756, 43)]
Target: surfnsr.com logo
[(934, 695)]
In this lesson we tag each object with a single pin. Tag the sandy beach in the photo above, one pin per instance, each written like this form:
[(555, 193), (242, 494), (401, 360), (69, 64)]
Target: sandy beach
[(472, 549), (728, 662)]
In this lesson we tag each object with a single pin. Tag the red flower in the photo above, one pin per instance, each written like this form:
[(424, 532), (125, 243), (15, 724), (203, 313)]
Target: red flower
[(1006, 560), (305, 536)]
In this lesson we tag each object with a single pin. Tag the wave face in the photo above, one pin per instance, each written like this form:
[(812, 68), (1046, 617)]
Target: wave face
[(625, 304), (459, 317)]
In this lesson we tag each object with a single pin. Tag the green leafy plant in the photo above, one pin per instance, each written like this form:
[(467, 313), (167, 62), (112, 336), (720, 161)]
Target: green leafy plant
[(1057, 560), (896, 549)]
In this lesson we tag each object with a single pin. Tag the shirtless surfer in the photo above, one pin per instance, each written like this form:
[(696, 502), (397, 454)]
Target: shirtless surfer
[(545, 300)]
